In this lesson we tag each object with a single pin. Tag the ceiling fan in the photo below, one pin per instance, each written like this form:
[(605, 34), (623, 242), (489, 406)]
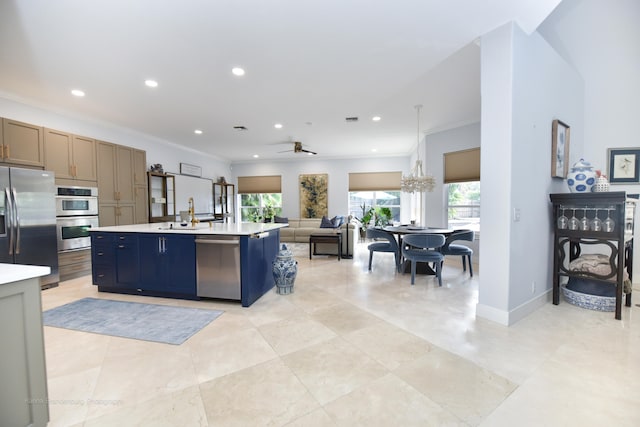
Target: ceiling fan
[(297, 148)]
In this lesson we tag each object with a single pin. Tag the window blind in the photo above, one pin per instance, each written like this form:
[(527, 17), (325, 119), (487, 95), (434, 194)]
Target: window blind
[(259, 184), (372, 181), (462, 166)]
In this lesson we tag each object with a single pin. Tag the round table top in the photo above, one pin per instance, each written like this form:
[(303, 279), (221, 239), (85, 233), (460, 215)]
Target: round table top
[(408, 229)]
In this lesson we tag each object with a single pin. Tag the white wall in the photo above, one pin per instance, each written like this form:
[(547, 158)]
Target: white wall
[(609, 61), (601, 39), (525, 85), (158, 151), (437, 144), (338, 171)]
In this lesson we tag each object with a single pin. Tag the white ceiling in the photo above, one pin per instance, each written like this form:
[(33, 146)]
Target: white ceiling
[(309, 65)]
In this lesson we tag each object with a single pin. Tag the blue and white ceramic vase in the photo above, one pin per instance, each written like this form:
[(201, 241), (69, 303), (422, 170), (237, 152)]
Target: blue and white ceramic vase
[(285, 269), (581, 177)]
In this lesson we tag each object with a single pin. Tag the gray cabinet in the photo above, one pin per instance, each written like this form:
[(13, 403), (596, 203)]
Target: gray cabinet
[(23, 394)]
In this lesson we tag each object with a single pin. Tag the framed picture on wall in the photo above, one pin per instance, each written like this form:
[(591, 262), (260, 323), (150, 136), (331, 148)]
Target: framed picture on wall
[(624, 165), (559, 149), (313, 195)]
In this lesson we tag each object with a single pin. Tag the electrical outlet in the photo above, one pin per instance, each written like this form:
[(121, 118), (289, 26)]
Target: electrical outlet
[(516, 214)]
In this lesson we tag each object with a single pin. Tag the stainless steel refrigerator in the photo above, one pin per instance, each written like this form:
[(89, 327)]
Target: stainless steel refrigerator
[(28, 220)]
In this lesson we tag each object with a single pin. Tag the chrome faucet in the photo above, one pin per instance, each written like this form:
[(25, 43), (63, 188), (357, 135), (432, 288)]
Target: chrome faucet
[(192, 213)]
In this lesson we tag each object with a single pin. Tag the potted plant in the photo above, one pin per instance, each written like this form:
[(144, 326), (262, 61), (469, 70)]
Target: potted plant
[(268, 212), (365, 219), (383, 216)]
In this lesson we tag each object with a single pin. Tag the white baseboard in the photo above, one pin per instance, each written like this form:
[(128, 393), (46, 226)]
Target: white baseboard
[(508, 318)]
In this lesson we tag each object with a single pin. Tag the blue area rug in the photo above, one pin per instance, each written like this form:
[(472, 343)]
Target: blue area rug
[(149, 322)]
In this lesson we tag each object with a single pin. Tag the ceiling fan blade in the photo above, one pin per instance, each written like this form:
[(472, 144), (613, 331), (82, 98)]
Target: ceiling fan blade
[(308, 151)]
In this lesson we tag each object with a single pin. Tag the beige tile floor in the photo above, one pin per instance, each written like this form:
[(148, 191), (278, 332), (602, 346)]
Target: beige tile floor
[(351, 347)]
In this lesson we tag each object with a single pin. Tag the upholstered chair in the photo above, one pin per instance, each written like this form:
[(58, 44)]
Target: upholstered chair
[(460, 250), (423, 248), (383, 241)]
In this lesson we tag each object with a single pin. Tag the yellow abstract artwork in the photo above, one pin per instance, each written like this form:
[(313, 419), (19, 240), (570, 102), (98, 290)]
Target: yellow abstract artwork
[(313, 195)]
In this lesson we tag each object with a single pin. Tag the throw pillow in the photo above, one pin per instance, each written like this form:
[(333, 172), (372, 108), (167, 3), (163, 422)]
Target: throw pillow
[(281, 219), (326, 223), (336, 221)]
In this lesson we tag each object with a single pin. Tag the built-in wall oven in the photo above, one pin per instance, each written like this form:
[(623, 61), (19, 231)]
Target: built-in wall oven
[(76, 213)]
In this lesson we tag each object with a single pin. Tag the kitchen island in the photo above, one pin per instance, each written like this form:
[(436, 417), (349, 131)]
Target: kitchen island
[(171, 260)]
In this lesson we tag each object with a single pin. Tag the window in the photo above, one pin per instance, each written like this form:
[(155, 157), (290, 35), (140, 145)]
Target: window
[(360, 201), (463, 205), (255, 207)]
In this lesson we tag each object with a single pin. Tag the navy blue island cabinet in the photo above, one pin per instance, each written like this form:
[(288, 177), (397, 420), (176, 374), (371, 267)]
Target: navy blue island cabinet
[(163, 264), (167, 264)]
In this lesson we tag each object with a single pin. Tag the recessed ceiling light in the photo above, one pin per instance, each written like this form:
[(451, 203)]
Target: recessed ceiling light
[(255, 156), (197, 132), (237, 71), (77, 92), (278, 126), (376, 118), (151, 83), (374, 150)]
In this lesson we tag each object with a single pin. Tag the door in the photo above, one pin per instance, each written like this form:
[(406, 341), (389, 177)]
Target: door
[(36, 241), (84, 158), (5, 217), (127, 266), (167, 263), (124, 178), (180, 264), (151, 261), (23, 143), (57, 153), (106, 154)]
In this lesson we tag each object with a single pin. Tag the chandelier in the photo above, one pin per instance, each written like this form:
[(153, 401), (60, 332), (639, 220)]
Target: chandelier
[(417, 181)]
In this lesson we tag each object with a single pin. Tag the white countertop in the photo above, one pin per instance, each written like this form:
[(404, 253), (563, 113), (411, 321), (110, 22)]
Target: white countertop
[(10, 273), (206, 228)]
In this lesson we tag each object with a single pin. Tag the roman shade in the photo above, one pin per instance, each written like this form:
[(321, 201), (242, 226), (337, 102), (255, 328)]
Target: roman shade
[(375, 181), (462, 166), (259, 184)]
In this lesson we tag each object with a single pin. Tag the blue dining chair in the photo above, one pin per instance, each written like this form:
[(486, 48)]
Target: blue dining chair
[(423, 248), (386, 243), (460, 250)]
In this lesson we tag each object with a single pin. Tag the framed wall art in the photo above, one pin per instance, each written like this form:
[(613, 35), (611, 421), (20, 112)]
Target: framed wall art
[(624, 165), (559, 149), (313, 195)]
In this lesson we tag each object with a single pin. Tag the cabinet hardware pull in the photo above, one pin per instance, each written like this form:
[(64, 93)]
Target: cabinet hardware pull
[(100, 275), (121, 246), (100, 253)]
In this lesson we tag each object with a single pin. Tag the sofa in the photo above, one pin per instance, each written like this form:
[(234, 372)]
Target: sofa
[(300, 229)]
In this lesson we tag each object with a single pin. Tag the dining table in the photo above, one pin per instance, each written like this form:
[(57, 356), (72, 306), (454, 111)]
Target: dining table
[(401, 230)]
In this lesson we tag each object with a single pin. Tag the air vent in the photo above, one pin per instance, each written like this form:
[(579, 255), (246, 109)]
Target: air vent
[(240, 128), (351, 119)]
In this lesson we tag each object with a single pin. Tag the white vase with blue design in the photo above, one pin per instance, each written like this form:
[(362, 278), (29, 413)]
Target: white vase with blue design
[(285, 269), (581, 177)]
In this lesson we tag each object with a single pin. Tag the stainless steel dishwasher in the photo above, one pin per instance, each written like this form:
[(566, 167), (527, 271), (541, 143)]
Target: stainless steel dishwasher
[(218, 266)]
